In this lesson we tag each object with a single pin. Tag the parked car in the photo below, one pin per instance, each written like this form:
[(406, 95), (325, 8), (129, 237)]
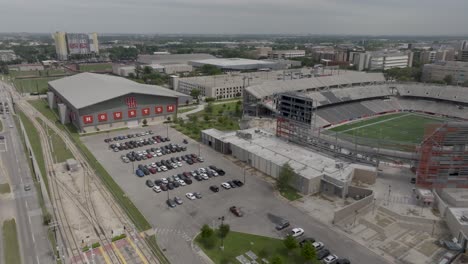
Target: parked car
[(330, 259), (232, 184), (139, 173), (343, 261), (296, 232), (236, 211), (171, 203), (305, 240), (318, 245), (198, 195), (214, 188), (282, 224), (157, 189), (322, 253), (170, 186), (163, 187), (226, 185), (238, 183), (178, 200), (190, 196), (150, 183)]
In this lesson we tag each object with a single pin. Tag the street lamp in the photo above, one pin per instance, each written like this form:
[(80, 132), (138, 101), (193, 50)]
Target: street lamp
[(222, 239)]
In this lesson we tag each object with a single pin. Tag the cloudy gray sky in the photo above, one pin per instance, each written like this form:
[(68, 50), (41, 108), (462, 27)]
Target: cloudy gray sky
[(432, 17)]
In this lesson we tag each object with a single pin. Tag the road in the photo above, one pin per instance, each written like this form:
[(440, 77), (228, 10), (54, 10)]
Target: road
[(23, 205)]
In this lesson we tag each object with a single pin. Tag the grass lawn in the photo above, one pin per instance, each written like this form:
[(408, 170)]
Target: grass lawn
[(44, 73), (4, 188), (222, 117), (35, 141), (237, 243), (185, 109), (290, 193), (61, 152), (96, 67), (33, 84), (403, 127), (10, 242)]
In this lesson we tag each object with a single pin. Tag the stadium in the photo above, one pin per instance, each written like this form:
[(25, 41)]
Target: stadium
[(357, 116)]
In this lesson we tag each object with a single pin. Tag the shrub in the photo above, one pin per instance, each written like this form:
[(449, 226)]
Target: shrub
[(95, 245)]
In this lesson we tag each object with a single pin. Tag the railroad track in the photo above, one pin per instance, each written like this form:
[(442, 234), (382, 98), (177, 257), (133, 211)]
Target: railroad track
[(90, 178)]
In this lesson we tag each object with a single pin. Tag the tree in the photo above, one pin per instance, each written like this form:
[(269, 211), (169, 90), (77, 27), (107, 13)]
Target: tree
[(145, 122), (206, 231), (193, 118), (448, 79), (290, 243), (195, 93), (209, 108), (131, 75), (209, 99), (276, 260), (181, 121), (224, 230), (238, 111), (308, 251), (210, 70), (147, 70), (206, 117), (285, 176)]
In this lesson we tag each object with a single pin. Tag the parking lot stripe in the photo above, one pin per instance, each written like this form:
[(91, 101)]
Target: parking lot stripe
[(143, 259), (119, 254), (104, 254)]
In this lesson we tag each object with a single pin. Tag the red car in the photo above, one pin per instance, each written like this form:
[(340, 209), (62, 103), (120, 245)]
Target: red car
[(152, 170), (236, 211), (149, 156)]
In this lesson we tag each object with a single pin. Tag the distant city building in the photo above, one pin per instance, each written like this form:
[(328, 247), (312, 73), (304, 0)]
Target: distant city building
[(433, 56), (238, 64), (163, 59), (7, 55), (439, 70), (67, 44), (123, 69), (463, 45), (389, 60), (262, 52), (463, 55), (286, 54)]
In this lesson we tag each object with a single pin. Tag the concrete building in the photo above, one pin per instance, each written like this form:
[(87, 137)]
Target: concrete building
[(26, 67), (163, 59), (232, 85), (463, 55), (67, 44), (237, 64), (433, 56), (286, 54), (262, 52), (389, 60), (123, 69), (437, 71), (93, 102), (267, 153), (7, 55)]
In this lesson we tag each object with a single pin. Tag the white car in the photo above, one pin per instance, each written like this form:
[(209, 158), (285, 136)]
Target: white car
[(204, 176), (215, 173), (164, 168), (182, 183), (164, 180), (295, 232), (330, 259), (318, 245), (179, 164), (226, 185), (157, 188), (174, 165), (190, 196), (158, 153)]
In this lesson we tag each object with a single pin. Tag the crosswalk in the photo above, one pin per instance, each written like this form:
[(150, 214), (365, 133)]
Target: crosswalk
[(176, 232)]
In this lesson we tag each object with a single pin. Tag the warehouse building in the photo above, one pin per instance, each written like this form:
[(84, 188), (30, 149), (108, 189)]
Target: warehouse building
[(93, 102), (265, 152), (237, 64)]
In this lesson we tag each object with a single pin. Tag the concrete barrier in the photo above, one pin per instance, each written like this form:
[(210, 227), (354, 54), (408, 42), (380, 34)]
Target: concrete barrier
[(353, 210)]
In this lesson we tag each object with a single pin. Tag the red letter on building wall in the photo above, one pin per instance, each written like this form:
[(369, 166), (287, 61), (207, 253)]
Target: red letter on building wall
[(117, 115), (88, 119), (132, 113), (170, 108), (158, 109), (102, 117), (145, 111)]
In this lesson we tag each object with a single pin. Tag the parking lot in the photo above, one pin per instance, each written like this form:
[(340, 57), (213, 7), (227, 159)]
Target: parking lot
[(176, 227)]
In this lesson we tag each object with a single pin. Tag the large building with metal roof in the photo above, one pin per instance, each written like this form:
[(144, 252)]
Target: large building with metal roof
[(93, 102)]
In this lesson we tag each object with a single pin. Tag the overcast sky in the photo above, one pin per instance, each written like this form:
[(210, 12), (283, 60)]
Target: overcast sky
[(378, 17)]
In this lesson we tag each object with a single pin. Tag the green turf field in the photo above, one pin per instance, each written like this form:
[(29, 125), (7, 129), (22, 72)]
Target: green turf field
[(96, 67), (33, 84), (402, 127)]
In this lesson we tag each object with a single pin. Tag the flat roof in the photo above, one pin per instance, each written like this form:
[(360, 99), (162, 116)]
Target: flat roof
[(172, 58), (344, 77), (229, 62), (85, 89), (459, 212), (305, 162)]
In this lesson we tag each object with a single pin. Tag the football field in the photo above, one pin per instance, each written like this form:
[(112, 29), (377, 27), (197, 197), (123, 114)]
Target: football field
[(401, 127)]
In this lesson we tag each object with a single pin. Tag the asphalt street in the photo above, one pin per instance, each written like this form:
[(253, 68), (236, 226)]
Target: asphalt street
[(35, 247)]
